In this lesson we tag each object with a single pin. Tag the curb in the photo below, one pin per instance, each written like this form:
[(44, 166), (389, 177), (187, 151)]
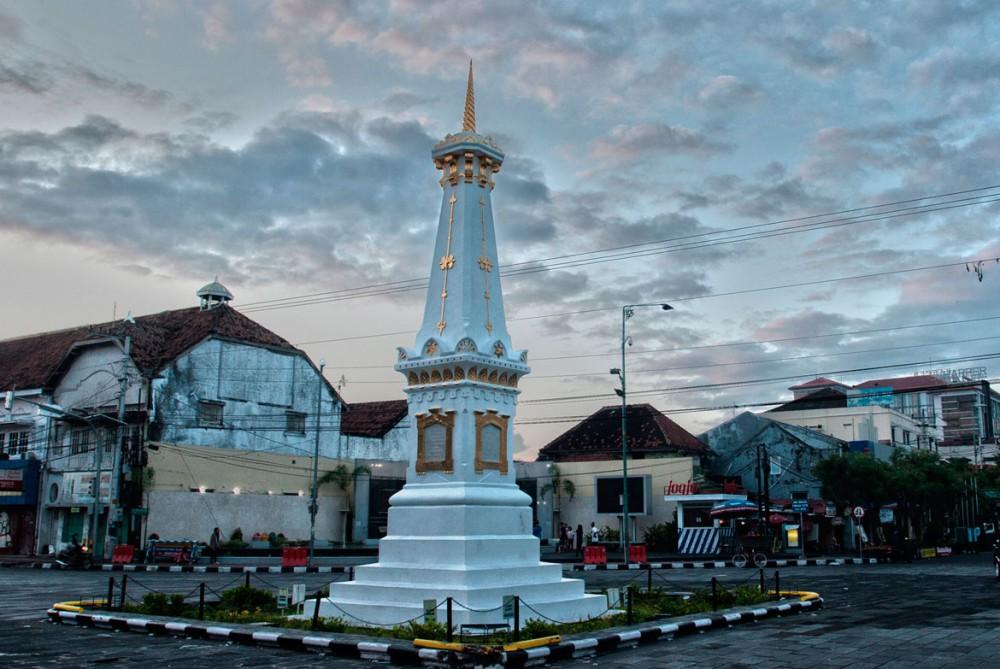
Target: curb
[(195, 569), (407, 654), (722, 564)]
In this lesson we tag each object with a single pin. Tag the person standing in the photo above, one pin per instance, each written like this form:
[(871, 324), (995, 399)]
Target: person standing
[(595, 535), (215, 546), (579, 540)]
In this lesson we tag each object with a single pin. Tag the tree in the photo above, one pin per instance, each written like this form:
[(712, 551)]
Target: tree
[(926, 487), (345, 479), (854, 479), (559, 486)]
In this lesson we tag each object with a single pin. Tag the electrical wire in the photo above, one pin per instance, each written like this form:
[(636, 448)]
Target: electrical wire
[(615, 253)]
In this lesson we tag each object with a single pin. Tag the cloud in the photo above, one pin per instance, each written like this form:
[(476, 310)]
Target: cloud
[(312, 187), (23, 78), (211, 121), (215, 22), (627, 142), (726, 91), (402, 100), (10, 26)]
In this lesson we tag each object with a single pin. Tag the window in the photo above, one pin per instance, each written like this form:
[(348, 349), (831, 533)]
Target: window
[(14, 443), (434, 433), (295, 422), (491, 442), (209, 414), (80, 441)]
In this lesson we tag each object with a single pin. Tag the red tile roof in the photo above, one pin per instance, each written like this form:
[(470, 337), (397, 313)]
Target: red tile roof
[(599, 437), (905, 382), (372, 419), (157, 339), (818, 382)]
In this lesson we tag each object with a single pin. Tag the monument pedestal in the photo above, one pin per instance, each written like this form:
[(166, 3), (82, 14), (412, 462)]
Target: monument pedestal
[(474, 553)]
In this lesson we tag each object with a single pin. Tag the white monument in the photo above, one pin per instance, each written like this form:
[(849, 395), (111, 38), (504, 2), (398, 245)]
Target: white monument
[(461, 527)]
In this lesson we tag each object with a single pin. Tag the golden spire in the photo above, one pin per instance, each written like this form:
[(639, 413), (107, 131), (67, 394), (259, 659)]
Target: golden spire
[(469, 120)]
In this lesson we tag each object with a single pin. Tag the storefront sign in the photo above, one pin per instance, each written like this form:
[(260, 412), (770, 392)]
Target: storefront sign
[(11, 482), (689, 488), (78, 488), (800, 506), (885, 515)]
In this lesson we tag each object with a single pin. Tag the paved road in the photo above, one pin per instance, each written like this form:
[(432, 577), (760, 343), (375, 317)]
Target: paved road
[(942, 613)]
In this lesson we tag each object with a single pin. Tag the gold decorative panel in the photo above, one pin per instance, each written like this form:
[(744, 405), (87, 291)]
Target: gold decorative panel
[(434, 439), (491, 442)]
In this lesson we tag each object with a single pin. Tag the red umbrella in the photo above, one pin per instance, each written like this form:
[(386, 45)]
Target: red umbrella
[(777, 519)]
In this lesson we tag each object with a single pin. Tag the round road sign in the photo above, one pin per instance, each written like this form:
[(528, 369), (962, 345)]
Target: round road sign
[(858, 512)]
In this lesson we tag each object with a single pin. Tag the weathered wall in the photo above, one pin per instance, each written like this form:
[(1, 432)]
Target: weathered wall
[(93, 379), (177, 508), (395, 446), (192, 515), (257, 387)]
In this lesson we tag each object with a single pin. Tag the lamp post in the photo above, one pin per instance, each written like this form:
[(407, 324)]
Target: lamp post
[(627, 311), (313, 502)]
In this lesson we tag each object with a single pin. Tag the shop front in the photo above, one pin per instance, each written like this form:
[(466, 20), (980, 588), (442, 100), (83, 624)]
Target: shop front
[(698, 532), (18, 504)]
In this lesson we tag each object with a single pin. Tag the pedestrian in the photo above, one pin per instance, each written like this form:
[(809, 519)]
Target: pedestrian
[(595, 534), (579, 540), (215, 546)]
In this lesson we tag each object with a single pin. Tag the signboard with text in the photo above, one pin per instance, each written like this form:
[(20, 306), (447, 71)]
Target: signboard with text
[(870, 397)]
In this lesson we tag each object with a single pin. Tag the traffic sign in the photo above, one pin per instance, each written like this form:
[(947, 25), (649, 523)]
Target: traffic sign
[(858, 512)]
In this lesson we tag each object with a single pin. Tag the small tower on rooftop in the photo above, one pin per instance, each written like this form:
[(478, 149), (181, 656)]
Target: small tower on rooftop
[(213, 294)]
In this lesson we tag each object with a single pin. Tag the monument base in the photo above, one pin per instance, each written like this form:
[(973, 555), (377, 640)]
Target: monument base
[(475, 554)]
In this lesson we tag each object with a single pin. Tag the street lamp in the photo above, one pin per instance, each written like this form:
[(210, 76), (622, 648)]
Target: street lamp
[(314, 502), (627, 311)]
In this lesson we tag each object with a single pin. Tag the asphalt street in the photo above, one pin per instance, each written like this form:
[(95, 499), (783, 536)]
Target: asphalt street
[(938, 613)]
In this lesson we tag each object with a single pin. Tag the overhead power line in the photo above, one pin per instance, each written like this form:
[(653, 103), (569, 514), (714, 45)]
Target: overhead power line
[(623, 252), (748, 382)]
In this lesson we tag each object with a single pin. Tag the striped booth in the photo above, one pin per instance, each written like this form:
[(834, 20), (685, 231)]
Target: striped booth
[(698, 541)]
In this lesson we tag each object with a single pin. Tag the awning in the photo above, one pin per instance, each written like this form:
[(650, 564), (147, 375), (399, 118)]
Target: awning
[(732, 508)]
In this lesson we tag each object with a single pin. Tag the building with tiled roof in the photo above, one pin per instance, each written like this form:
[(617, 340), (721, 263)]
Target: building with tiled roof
[(205, 376), (819, 383), (650, 434), (372, 419)]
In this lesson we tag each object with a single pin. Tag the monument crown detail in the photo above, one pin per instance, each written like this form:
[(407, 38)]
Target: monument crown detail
[(461, 527)]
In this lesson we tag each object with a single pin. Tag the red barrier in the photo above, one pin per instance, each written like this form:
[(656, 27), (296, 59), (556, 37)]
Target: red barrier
[(123, 554), (637, 553), (294, 556), (595, 555)]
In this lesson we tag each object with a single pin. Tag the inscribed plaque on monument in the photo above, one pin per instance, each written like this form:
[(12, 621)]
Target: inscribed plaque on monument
[(491, 443), (435, 443)]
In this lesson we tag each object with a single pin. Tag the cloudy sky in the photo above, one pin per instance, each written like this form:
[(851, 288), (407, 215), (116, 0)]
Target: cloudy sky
[(705, 154)]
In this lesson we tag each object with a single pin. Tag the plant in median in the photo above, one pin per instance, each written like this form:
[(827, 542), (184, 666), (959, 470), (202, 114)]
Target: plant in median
[(249, 598)]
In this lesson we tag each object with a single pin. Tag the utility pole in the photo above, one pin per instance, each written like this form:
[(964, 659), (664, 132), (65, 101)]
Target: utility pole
[(313, 503), (98, 462), (118, 454)]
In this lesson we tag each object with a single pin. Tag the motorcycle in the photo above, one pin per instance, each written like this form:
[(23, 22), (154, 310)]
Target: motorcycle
[(75, 557)]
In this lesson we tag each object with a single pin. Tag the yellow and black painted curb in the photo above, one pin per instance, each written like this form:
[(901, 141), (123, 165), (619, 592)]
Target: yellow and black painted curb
[(549, 649)]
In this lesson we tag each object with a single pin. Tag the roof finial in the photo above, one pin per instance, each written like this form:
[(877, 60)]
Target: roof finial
[(469, 120)]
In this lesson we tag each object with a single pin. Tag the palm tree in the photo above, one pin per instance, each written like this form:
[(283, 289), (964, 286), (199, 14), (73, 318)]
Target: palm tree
[(345, 479), (560, 486)]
